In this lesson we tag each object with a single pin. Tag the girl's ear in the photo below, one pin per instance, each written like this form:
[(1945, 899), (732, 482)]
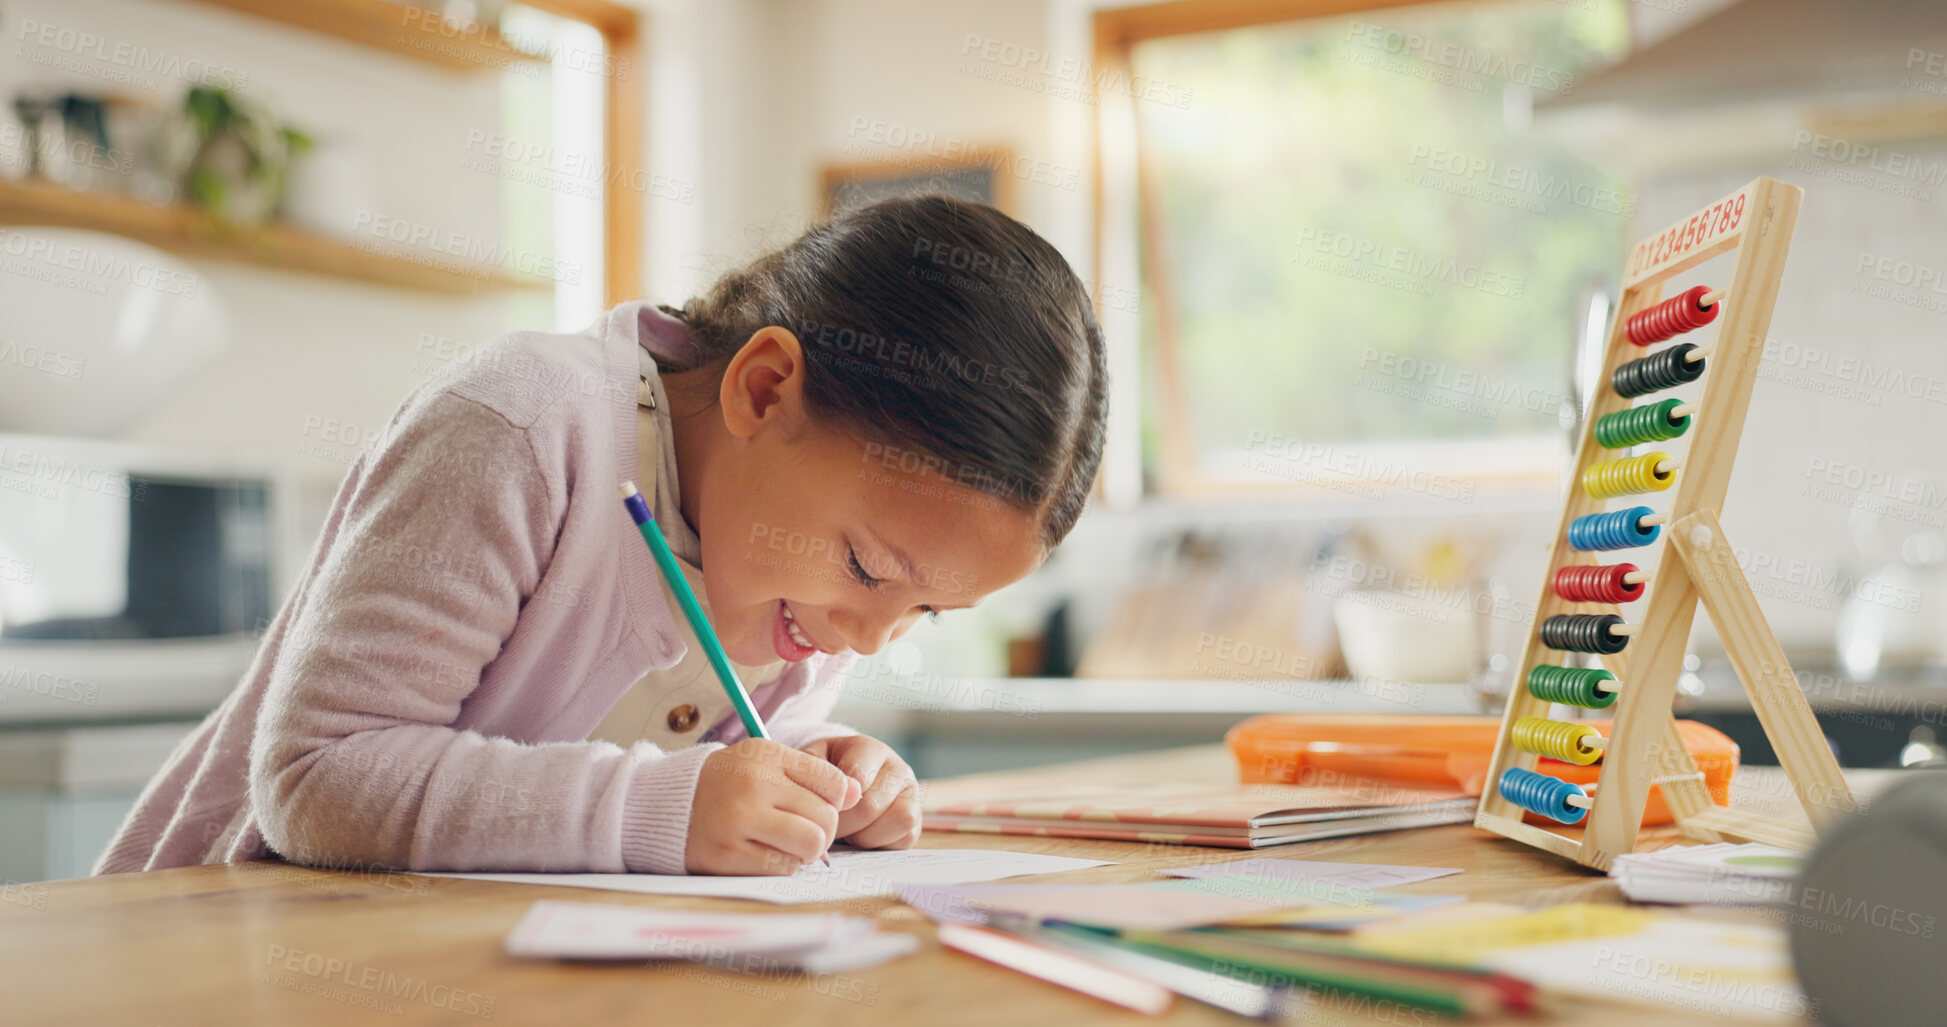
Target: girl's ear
[(763, 385)]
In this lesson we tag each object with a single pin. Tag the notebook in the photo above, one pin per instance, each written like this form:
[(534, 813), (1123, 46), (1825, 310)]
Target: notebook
[(1225, 816), (1722, 874)]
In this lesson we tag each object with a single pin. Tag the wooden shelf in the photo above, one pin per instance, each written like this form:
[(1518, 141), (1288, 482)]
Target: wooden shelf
[(192, 233), (394, 27)]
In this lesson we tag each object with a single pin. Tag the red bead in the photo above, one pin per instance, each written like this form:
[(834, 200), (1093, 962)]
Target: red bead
[(1671, 317), (1590, 583)]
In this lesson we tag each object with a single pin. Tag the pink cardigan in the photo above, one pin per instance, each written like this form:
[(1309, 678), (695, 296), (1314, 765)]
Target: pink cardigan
[(477, 601)]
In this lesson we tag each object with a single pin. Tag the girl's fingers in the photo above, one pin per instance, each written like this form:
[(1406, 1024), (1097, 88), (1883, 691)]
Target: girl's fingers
[(893, 779), (761, 860), (812, 811), (899, 823), (793, 841), (820, 778), (863, 761)]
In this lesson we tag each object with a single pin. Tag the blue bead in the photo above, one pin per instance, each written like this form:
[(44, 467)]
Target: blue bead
[(1617, 529), (1539, 793)]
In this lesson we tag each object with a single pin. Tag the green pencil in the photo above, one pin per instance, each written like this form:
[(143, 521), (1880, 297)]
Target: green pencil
[(645, 522)]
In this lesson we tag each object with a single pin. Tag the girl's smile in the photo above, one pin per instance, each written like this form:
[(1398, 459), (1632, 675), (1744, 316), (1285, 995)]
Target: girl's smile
[(789, 639)]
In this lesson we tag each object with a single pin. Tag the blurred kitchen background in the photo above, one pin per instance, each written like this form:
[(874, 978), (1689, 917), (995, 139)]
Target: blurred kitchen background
[(1350, 257)]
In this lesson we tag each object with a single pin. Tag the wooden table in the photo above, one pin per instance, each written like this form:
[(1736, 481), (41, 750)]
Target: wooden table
[(271, 943)]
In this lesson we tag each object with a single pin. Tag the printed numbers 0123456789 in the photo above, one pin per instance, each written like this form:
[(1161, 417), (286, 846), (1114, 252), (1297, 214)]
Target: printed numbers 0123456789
[(1703, 226)]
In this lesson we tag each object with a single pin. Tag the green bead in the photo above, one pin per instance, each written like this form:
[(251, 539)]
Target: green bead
[(1637, 425), (1571, 686)]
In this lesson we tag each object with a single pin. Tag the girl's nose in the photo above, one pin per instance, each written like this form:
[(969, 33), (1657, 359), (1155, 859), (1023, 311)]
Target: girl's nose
[(866, 631)]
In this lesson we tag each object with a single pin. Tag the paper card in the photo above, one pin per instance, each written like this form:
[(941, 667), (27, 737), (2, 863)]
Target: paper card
[(1749, 860), (869, 951), (961, 903), (589, 930), (1362, 876)]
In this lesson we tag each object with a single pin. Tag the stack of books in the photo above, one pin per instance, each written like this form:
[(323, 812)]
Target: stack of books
[(1226, 816)]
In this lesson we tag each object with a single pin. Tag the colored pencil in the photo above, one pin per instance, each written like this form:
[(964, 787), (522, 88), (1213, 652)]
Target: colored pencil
[(1226, 992), (1076, 972), (645, 523)]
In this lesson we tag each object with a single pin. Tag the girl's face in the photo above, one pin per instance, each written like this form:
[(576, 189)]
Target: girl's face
[(814, 540)]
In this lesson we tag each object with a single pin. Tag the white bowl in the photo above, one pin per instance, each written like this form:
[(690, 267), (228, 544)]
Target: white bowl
[(96, 330), (1415, 639)]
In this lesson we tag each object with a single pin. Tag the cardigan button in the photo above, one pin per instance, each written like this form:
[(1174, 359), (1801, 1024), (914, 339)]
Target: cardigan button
[(664, 644), (682, 718)]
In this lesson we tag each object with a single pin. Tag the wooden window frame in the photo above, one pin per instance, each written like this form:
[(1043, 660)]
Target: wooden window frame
[(1116, 31), (622, 130)]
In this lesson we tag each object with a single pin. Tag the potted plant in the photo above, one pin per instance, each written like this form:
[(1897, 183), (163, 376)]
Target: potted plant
[(232, 155)]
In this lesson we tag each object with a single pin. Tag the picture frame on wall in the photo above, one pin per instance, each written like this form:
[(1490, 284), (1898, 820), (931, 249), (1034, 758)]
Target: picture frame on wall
[(981, 179)]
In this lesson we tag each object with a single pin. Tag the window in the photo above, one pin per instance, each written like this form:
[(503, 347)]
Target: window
[(1357, 255), (555, 172)]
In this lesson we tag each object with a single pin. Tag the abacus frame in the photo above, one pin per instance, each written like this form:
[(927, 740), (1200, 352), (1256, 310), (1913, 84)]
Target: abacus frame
[(1644, 747)]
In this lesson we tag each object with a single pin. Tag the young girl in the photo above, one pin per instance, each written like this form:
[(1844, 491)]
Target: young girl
[(891, 417)]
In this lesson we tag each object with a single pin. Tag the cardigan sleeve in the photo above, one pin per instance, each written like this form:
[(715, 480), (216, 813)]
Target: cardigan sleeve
[(447, 529)]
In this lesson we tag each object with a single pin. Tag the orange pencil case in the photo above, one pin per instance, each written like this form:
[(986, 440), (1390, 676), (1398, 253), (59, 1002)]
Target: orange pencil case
[(1430, 750)]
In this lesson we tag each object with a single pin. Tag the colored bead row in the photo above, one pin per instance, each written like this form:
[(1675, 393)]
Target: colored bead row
[(1588, 687), (1551, 797), (1617, 529), (1672, 317), (1586, 633), (1664, 369), (1637, 425), (1651, 472), (1559, 739), (1593, 583)]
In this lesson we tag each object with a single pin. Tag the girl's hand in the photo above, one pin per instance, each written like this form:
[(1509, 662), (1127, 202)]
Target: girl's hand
[(762, 808), (887, 816)]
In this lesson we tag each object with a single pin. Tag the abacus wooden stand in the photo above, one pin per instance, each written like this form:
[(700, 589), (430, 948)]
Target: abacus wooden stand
[(1644, 748)]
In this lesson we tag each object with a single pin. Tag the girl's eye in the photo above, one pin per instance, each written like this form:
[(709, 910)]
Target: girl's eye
[(858, 570), (930, 612)]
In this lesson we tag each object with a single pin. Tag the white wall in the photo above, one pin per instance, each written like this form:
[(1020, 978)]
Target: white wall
[(1841, 458), (312, 361), (752, 98)]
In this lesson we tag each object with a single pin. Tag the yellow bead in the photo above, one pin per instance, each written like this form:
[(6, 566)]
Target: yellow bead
[(1557, 739), (1627, 477)]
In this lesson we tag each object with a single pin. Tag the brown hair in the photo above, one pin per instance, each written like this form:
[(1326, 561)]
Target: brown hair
[(943, 328)]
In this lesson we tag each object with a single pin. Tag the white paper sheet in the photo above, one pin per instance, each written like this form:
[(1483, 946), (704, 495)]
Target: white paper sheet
[(852, 875)]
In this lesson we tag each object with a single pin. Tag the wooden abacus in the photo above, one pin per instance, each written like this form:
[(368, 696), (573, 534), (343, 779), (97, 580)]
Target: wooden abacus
[(1578, 610)]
